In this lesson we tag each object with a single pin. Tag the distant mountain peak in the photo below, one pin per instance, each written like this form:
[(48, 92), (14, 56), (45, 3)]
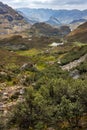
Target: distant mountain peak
[(53, 21), (78, 20), (63, 16)]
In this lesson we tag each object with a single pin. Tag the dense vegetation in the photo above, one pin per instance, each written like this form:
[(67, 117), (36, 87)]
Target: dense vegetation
[(36, 91), (17, 42), (54, 101), (74, 54), (52, 98)]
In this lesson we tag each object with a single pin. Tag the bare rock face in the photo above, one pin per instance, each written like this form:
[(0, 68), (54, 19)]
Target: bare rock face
[(74, 63), (9, 18)]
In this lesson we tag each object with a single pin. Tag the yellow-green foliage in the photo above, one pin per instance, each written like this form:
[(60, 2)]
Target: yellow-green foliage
[(51, 96), (41, 66), (79, 44), (11, 66), (30, 52)]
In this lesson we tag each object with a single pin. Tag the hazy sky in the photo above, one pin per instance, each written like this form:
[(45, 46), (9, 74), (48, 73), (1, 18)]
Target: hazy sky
[(55, 4)]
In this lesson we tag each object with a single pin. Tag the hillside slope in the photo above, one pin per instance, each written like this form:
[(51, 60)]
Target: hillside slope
[(43, 29), (10, 20), (79, 34)]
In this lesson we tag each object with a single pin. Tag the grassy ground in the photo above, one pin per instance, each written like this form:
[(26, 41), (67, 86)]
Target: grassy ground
[(79, 44), (31, 52)]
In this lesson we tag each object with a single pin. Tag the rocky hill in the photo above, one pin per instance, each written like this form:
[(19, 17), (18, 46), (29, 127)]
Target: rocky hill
[(43, 29), (11, 21), (79, 34), (74, 24)]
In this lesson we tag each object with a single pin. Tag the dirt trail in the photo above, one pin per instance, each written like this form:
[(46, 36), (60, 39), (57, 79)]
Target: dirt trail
[(74, 63)]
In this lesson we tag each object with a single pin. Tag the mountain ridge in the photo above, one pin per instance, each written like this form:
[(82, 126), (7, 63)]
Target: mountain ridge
[(79, 34), (45, 29), (64, 16), (11, 21)]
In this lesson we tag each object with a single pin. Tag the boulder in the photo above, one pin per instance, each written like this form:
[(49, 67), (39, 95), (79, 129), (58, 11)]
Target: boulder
[(75, 74), (26, 66)]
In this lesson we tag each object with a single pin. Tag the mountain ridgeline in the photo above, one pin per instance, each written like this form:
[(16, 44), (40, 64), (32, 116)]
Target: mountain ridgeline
[(54, 16), (79, 34), (10, 20), (43, 69), (44, 29)]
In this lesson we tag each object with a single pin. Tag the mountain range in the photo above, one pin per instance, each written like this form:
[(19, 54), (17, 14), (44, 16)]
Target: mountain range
[(55, 22), (53, 17)]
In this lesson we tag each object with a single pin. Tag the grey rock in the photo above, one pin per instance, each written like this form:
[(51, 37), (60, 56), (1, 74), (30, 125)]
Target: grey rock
[(26, 66), (75, 74)]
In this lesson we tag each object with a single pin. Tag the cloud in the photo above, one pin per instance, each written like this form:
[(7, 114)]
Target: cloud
[(77, 2), (55, 4)]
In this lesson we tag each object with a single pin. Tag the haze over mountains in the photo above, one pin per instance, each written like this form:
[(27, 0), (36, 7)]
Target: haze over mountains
[(14, 21), (43, 67), (54, 17)]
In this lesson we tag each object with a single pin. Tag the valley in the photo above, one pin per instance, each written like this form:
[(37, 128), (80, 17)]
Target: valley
[(43, 69), (27, 67)]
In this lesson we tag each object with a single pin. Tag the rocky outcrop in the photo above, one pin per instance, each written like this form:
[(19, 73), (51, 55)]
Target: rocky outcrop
[(74, 64), (27, 66), (75, 74)]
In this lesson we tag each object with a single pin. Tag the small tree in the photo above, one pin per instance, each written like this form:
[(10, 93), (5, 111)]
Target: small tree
[(71, 111), (24, 114)]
